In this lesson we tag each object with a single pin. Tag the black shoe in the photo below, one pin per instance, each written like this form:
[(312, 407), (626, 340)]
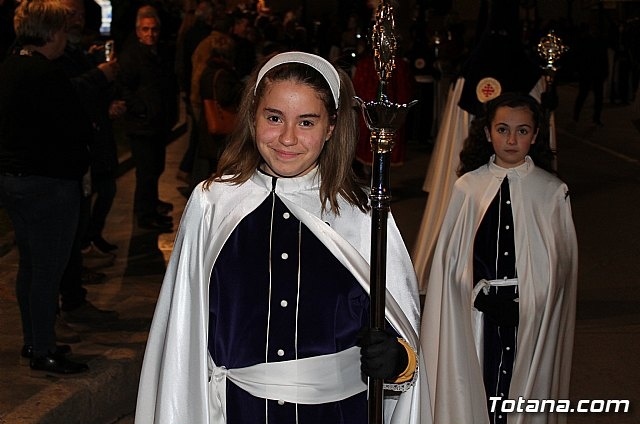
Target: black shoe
[(156, 225), (103, 245), (163, 219), (90, 277), (54, 363), (164, 208), (27, 350)]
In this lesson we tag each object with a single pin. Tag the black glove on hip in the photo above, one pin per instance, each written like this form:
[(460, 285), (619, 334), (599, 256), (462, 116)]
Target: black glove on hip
[(504, 311), (382, 356)]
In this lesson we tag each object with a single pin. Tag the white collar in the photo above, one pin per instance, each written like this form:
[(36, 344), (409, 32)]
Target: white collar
[(519, 171), (310, 180)]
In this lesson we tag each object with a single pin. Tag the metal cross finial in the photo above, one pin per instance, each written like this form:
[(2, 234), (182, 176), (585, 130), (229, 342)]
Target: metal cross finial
[(384, 41), (550, 49)]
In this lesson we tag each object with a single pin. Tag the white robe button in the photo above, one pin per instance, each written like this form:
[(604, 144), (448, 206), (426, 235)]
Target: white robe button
[(286, 215), (508, 202), (283, 303), (280, 352), (280, 402), (285, 256), (507, 226)]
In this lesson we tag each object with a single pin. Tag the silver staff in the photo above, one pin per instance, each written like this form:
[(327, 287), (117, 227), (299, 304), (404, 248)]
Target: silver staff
[(550, 50), (383, 118)]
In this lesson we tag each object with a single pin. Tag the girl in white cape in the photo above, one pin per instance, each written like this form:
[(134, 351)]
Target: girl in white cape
[(266, 293), (499, 313)]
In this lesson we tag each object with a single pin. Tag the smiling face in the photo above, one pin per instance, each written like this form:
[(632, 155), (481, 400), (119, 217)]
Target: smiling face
[(292, 124), (512, 133)]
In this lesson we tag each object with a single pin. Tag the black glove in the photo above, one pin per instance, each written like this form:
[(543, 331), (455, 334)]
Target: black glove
[(382, 356), (503, 310)]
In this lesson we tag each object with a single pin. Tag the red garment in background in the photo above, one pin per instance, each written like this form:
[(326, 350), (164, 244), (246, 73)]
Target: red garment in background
[(399, 90)]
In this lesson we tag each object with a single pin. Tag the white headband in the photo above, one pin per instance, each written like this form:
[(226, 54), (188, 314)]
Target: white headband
[(321, 65)]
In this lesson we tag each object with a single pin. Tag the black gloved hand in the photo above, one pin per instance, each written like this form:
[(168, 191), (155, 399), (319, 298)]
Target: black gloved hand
[(382, 356), (503, 310)]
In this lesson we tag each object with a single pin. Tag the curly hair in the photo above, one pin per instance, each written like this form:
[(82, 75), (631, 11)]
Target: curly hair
[(241, 157), (476, 151)]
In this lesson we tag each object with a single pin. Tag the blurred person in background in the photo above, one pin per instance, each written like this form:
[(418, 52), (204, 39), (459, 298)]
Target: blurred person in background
[(43, 155), (93, 84), (148, 85), (187, 43)]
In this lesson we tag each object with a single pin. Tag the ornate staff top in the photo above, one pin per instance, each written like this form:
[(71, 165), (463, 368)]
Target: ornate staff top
[(382, 116), (384, 41), (550, 49)]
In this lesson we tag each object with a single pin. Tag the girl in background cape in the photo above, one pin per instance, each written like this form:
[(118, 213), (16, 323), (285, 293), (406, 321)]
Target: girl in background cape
[(261, 312), (499, 312)]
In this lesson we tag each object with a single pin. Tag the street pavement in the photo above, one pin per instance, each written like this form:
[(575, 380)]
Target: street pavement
[(600, 164)]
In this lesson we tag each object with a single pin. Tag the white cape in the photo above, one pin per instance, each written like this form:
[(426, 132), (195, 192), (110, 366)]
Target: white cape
[(174, 380), (441, 175), (546, 261)]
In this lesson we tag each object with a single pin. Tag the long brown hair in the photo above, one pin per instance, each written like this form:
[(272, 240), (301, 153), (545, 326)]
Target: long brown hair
[(241, 158)]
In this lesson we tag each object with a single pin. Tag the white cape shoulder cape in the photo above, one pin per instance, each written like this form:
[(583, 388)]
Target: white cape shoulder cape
[(546, 261)]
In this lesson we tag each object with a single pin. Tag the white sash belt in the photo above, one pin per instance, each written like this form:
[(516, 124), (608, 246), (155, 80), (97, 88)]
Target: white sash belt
[(485, 284), (319, 379)]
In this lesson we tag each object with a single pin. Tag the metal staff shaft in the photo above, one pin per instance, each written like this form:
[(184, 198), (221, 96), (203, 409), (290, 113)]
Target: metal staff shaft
[(380, 206), (383, 118)]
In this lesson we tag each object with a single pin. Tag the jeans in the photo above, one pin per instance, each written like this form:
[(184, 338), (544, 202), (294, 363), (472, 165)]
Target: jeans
[(44, 213)]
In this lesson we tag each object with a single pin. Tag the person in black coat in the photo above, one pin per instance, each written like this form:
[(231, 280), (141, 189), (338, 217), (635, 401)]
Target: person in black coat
[(92, 83), (43, 156), (148, 85)]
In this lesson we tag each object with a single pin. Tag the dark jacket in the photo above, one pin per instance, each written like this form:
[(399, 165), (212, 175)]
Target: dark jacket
[(43, 126), (95, 93), (147, 83)]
